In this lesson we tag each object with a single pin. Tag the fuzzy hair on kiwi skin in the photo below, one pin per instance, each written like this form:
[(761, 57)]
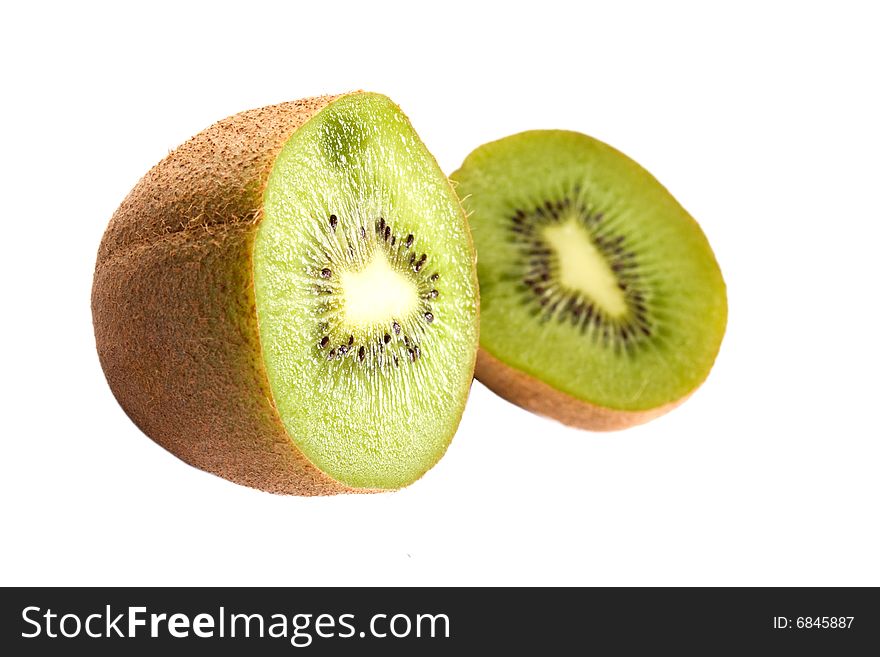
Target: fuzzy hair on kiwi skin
[(538, 397), (174, 309)]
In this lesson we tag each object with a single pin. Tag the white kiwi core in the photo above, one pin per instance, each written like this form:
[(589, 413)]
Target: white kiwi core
[(583, 268), (377, 294)]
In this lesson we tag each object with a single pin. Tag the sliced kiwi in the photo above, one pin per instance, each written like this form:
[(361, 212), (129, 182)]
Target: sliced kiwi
[(602, 303), (289, 300)]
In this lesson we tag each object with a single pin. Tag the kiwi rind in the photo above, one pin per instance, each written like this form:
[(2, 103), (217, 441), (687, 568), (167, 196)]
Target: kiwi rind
[(174, 308), (534, 395), (487, 184)]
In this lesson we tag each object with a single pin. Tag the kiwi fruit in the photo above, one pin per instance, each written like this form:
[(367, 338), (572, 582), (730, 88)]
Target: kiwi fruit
[(602, 304), (289, 300)]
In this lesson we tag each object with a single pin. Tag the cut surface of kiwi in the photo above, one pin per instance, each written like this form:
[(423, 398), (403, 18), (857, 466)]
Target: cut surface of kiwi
[(289, 300), (602, 302), (365, 296)]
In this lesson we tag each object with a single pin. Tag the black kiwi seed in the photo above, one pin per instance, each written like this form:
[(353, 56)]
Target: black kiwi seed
[(333, 221), (433, 294), (396, 328), (326, 273), (387, 232), (331, 355), (381, 224), (361, 354), (363, 232), (409, 240), (350, 340), (435, 276), (324, 342), (386, 339), (429, 317)]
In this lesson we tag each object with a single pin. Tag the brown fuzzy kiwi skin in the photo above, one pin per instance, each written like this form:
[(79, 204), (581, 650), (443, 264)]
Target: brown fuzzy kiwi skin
[(174, 310), (536, 396)]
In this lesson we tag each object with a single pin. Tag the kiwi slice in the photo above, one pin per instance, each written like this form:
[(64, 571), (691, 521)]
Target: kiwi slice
[(289, 300), (602, 303)]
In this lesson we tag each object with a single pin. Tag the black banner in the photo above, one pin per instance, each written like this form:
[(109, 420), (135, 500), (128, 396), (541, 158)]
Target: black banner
[(325, 621)]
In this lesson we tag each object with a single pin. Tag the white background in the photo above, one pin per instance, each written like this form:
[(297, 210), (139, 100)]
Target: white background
[(761, 118)]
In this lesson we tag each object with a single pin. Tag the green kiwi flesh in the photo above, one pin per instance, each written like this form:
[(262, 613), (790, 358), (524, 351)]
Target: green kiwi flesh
[(366, 295), (594, 280)]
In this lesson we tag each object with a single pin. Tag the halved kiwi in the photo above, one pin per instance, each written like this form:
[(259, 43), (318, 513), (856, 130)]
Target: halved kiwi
[(602, 303), (289, 300)]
